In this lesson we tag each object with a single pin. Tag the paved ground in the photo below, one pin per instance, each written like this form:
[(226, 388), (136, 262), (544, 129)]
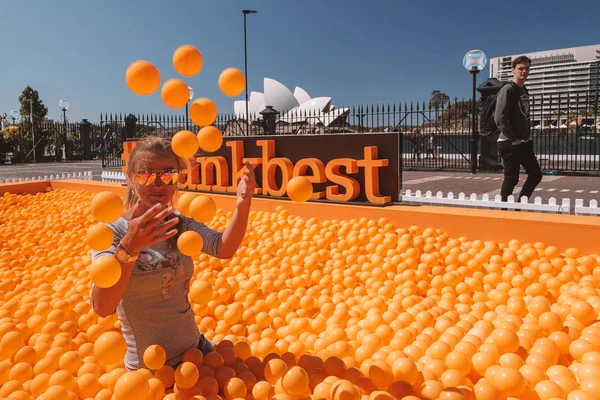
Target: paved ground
[(557, 186)]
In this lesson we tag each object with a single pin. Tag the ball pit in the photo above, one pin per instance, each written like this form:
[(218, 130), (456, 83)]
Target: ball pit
[(307, 308)]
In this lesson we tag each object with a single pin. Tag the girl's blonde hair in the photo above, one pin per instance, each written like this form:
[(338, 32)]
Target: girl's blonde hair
[(154, 145)]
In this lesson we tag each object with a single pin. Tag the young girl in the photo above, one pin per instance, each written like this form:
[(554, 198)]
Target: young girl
[(151, 298)]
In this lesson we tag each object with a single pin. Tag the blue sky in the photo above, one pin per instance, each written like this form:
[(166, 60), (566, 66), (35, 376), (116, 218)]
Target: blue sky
[(357, 52)]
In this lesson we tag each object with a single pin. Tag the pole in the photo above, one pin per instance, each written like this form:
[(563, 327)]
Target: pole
[(32, 130), (65, 134), (474, 133), (246, 75)]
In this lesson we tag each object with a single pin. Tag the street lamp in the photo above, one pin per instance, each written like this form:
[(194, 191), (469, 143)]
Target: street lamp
[(474, 61), (246, 12), (187, 113), (64, 106)]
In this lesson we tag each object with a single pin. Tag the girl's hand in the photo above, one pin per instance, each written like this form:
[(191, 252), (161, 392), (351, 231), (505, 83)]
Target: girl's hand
[(149, 228), (246, 186)]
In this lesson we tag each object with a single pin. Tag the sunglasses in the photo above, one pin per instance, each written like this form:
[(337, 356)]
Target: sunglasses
[(167, 177)]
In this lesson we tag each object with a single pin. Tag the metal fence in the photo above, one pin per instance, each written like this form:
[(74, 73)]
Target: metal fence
[(52, 141), (565, 129)]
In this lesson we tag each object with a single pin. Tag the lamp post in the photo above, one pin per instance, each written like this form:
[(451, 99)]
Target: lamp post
[(474, 61), (187, 113), (64, 106), (246, 12)]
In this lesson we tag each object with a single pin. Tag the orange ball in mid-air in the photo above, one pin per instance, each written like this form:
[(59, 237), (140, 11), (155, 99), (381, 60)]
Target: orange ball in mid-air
[(184, 143), (203, 208), (105, 271), (175, 93), (142, 78), (232, 82), (299, 189), (187, 60), (210, 139), (190, 243), (106, 207), (203, 112)]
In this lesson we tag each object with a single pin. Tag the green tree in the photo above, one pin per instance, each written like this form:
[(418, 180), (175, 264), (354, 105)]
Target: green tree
[(31, 103), (438, 99)]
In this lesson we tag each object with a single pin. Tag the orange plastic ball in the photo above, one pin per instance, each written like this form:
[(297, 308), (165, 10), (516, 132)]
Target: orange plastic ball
[(203, 209), (210, 139), (110, 348), (183, 203), (155, 357), (142, 78), (201, 292), (295, 381), (187, 60), (175, 93), (186, 375), (132, 385), (203, 112), (105, 271), (184, 143), (190, 243), (299, 189), (232, 82), (100, 237), (106, 207)]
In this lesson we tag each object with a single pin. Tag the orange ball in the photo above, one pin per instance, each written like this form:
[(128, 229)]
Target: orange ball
[(299, 189), (203, 209), (295, 381), (186, 375), (190, 243), (210, 139), (105, 271), (100, 237), (175, 93), (184, 143), (201, 292), (235, 388), (203, 112), (142, 78), (106, 207), (187, 60), (232, 82), (110, 348), (155, 357), (183, 203), (132, 385)]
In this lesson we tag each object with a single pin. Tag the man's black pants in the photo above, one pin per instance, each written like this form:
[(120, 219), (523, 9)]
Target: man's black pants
[(513, 156)]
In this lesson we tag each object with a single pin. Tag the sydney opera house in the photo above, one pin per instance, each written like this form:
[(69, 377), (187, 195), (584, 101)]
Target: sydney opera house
[(296, 109)]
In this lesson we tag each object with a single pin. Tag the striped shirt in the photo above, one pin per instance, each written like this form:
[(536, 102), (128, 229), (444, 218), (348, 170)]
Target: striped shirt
[(155, 307)]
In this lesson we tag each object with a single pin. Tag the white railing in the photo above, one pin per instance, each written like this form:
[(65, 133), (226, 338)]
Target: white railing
[(86, 175), (113, 176), (592, 209), (473, 200)]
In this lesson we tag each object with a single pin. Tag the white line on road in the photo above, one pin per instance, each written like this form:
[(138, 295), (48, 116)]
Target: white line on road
[(428, 179), (593, 191), (579, 191), (551, 190), (565, 190)]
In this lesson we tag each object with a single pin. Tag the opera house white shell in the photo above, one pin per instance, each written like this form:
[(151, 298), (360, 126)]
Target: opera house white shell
[(292, 107)]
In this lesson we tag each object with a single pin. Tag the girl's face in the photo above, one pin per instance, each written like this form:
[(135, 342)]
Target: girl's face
[(154, 179)]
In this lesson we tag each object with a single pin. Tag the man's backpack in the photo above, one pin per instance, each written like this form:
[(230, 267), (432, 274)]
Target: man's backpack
[(487, 105)]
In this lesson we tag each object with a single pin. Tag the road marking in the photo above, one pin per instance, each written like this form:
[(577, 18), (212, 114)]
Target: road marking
[(579, 191), (565, 190), (550, 190), (593, 191), (551, 178), (425, 180), (496, 179), (538, 189)]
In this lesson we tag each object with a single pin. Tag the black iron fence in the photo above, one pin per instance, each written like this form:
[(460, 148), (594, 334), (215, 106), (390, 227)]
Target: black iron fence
[(49, 141), (565, 128)]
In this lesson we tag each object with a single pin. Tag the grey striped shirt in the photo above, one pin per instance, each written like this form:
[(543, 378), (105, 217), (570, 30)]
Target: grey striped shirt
[(155, 307)]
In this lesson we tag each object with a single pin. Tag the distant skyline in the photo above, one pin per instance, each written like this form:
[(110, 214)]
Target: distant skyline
[(355, 52)]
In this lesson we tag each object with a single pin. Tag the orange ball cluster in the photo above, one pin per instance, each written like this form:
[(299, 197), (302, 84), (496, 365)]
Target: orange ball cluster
[(337, 310)]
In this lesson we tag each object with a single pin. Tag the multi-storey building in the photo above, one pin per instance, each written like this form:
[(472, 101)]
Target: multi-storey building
[(561, 82)]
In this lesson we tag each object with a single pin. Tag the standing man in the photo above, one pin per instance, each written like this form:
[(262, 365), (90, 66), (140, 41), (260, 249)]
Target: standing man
[(514, 143)]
